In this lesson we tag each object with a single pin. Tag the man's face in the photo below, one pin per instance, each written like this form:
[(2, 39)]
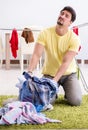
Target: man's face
[(64, 18)]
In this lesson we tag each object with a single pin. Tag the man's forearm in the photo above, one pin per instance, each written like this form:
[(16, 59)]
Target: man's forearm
[(66, 62), (60, 72), (36, 56), (33, 63)]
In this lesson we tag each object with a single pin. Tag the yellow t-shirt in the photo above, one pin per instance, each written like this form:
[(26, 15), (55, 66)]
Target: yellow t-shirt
[(55, 48)]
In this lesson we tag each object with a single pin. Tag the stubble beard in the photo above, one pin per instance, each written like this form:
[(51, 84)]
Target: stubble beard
[(59, 23)]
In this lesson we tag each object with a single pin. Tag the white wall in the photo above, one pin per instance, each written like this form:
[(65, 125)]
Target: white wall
[(24, 13), (21, 13)]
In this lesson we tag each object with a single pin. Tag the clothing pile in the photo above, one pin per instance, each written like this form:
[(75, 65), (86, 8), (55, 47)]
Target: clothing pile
[(22, 113), (39, 91), (35, 95)]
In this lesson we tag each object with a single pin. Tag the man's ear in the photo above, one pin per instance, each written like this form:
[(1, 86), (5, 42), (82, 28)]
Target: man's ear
[(70, 23)]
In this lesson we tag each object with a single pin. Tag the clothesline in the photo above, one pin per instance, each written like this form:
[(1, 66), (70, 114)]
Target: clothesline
[(8, 29), (80, 25)]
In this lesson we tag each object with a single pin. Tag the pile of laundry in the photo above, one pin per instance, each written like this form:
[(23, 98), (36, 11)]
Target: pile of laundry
[(19, 112), (41, 92), (35, 96)]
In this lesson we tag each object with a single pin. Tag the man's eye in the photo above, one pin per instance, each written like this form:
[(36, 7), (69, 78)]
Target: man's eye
[(67, 16)]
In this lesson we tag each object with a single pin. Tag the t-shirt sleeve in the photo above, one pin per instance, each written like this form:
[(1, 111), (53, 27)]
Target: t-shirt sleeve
[(75, 43), (41, 38)]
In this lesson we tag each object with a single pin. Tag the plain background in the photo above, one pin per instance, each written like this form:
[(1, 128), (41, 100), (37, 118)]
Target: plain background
[(25, 13)]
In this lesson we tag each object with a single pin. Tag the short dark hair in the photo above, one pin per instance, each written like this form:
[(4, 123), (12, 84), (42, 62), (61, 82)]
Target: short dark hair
[(72, 11)]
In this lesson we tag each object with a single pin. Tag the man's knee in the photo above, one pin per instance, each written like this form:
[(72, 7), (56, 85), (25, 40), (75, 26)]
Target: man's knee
[(76, 101)]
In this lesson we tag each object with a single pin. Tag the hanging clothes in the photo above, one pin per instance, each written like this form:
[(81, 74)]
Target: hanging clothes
[(27, 35), (14, 43), (75, 30)]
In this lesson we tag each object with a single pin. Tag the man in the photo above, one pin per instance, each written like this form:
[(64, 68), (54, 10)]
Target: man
[(61, 46)]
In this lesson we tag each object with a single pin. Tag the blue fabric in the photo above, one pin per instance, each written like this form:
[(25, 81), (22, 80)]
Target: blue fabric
[(38, 91)]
